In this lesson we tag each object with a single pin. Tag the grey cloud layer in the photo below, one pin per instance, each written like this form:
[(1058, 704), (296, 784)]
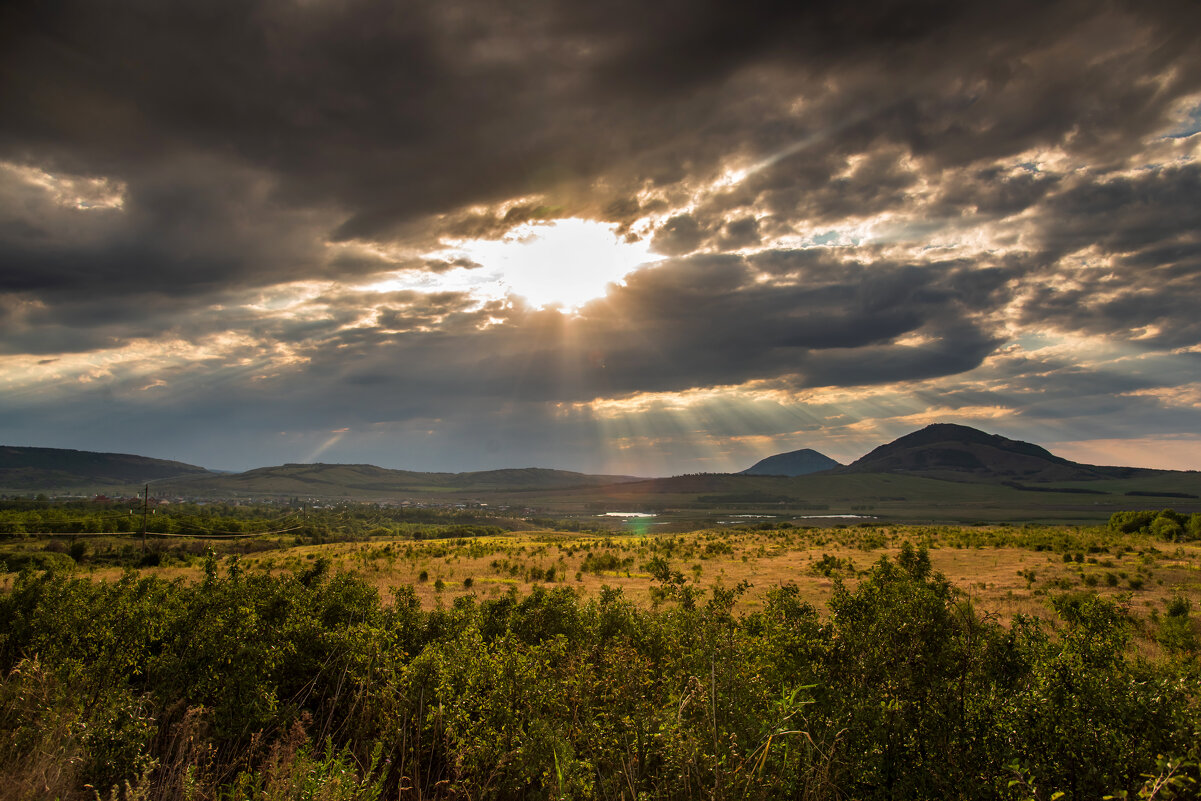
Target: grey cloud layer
[(689, 323), (250, 140), (391, 111)]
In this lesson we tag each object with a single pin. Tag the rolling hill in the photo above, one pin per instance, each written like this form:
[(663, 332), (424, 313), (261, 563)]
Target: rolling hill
[(369, 481), (793, 463), (941, 473), (955, 452), (57, 469)]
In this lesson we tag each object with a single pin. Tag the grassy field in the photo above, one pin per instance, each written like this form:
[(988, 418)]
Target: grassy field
[(387, 667), (886, 497), (690, 502), (1005, 570)]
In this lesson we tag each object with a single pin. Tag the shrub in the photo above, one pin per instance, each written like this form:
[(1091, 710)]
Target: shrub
[(1131, 522), (1176, 629), (305, 685), (1167, 528), (830, 566)]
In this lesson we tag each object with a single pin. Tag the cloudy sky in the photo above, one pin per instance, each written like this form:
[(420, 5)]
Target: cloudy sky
[(613, 236)]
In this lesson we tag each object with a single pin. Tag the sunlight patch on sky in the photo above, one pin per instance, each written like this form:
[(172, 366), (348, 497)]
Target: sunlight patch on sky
[(72, 191), (335, 437), (1055, 348), (284, 299), (643, 402), (1187, 118), (558, 263), (565, 262), (1186, 396), (847, 236), (1157, 453), (140, 364), (938, 414)]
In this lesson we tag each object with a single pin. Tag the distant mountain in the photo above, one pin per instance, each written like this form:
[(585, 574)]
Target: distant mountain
[(793, 463), (533, 478), (364, 480), (946, 450), (42, 469)]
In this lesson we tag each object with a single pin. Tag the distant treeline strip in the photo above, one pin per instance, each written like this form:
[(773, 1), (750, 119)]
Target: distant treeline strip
[(1067, 490), (224, 534), (216, 520)]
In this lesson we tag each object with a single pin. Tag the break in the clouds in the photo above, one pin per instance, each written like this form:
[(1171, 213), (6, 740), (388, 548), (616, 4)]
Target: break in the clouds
[(603, 236)]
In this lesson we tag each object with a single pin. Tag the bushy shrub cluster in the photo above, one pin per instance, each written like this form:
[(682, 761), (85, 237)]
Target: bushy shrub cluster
[(332, 523), (1167, 524), (309, 686)]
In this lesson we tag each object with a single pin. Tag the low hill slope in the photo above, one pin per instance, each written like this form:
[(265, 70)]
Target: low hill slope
[(532, 478), (793, 463), (366, 481), (946, 450), (38, 469)]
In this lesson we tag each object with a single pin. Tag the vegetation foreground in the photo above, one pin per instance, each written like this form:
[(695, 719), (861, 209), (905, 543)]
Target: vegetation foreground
[(627, 672)]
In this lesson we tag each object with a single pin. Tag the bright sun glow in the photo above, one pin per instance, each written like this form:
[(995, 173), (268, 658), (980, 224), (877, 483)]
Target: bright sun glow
[(563, 262)]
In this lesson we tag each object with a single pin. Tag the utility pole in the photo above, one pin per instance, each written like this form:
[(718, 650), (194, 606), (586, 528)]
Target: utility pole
[(145, 511)]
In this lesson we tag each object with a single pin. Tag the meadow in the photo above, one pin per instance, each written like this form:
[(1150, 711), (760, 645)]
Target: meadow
[(1004, 570), (751, 661)]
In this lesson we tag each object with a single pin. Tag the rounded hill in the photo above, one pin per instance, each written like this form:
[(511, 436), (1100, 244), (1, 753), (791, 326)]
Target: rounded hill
[(948, 450)]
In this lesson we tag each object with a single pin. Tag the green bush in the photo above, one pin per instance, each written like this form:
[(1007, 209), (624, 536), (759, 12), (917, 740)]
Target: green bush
[(1131, 522), (1176, 632), (307, 685), (16, 561), (1166, 524)]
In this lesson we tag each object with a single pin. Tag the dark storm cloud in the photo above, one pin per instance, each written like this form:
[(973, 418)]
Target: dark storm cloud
[(1125, 213), (446, 265), (689, 323), (1143, 232), (231, 148), (993, 192), (1050, 392), (739, 233), (391, 111), (678, 236), (191, 225), (816, 186)]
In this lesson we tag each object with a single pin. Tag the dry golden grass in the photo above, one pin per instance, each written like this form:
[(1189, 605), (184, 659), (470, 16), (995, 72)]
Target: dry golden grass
[(996, 579), (999, 569)]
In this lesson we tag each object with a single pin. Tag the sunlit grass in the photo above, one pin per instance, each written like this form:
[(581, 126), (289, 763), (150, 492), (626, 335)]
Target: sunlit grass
[(1003, 571)]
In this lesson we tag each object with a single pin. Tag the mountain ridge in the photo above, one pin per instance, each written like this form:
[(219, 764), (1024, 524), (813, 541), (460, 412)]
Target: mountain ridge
[(958, 452), (944, 451), (793, 463), (30, 468), (349, 479)]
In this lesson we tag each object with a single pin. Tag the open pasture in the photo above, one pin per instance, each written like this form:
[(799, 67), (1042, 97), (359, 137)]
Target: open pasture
[(1004, 570), (604, 665)]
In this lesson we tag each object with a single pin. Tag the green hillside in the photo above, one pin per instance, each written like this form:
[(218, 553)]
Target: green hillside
[(942, 473), (880, 496), (962, 453), (56, 469), (363, 481)]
